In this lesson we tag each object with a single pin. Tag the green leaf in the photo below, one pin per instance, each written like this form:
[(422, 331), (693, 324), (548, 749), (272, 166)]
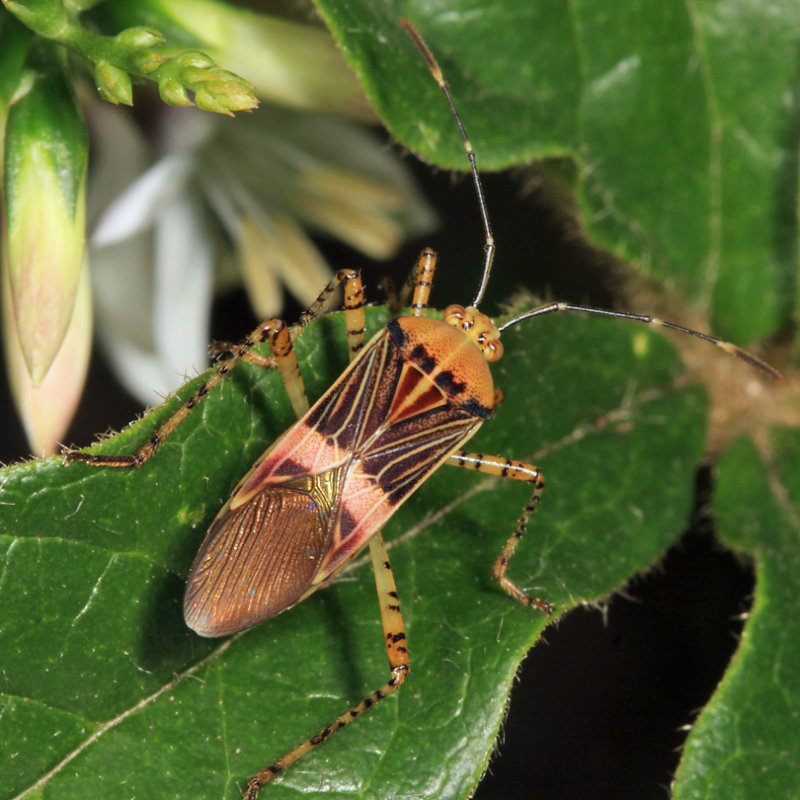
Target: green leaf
[(676, 115), (747, 741), (680, 128), (106, 693)]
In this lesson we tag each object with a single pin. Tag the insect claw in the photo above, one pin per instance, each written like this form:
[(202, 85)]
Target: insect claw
[(542, 605), (220, 351)]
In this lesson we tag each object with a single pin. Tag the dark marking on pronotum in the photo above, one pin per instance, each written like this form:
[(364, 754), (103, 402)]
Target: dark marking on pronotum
[(446, 380), (397, 332), (472, 406), (419, 355)]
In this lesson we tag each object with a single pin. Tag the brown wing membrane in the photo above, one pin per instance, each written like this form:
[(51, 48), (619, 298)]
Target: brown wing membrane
[(258, 559)]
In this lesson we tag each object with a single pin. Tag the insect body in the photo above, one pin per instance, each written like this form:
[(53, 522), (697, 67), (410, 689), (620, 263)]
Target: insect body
[(417, 392), (405, 406)]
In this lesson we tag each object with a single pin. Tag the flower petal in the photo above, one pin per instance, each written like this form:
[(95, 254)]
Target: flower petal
[(140, 204), (184, 271)]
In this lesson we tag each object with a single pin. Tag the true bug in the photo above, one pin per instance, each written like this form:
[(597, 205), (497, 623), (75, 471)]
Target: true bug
[(406, 404)]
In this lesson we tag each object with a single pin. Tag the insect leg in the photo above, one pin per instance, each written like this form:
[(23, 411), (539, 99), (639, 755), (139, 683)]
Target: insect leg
[(282, 358), (518, 471), (354, 317), (423, 280), (396, 651), (273, 331), (353, 308), (418, 281)]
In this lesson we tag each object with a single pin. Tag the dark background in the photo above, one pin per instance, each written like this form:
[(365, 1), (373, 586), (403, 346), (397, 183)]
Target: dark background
[(600, 705)]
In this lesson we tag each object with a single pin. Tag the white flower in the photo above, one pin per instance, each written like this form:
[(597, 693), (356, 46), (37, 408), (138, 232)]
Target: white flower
[(164, 223)]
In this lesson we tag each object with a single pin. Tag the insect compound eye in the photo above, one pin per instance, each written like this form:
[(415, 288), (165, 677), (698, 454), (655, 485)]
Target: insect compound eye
[(493, 350), (487, 337), (461, 317), (455, 315)]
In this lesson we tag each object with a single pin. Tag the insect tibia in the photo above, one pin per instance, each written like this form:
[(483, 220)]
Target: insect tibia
[(102, 460)]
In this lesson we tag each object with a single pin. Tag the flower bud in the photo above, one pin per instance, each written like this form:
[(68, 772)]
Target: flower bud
[(45, 183), (289, 63), (173, 93), (113, 83), (140, 37), (46, 410)]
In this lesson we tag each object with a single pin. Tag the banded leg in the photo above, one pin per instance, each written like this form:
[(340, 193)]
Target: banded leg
[(396, 651), (518, 471), (419, 281), (353, 308), (391, 618), (283, 358), (426, 266), (354, 320)]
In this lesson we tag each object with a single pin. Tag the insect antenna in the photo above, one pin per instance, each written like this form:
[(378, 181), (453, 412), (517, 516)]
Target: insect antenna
[(488, 245), (646, 319)]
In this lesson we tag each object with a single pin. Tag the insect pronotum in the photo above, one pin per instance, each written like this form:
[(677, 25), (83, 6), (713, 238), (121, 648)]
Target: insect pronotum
[(409, 400)]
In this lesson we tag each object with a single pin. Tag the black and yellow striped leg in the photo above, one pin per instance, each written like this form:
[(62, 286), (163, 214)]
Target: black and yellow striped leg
[(518, 471), (394, 635), (350, 279), (418, 282), (396, 651), (423, 281), (283, 358)]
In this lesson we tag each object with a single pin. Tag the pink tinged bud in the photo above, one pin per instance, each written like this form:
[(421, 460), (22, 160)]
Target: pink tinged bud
[(45, 184), (46, 410)]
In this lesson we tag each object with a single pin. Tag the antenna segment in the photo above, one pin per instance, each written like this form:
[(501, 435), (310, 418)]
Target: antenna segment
[(488, 245)]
